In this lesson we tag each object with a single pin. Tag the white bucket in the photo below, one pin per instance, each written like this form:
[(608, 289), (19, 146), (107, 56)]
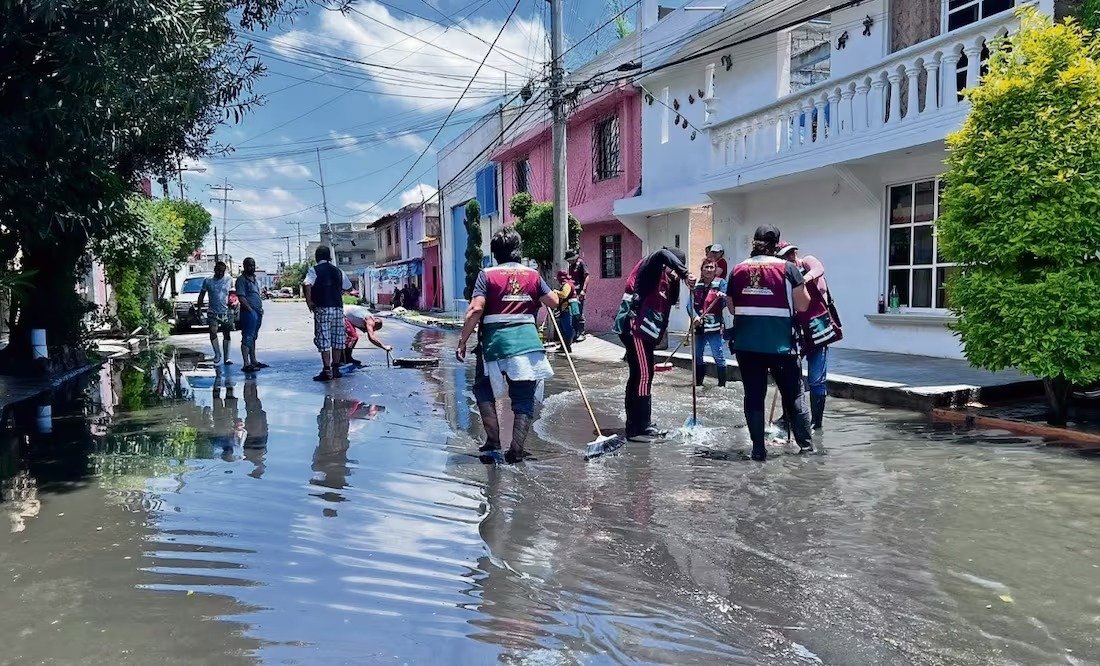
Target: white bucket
[(45, 419), (38, 343)]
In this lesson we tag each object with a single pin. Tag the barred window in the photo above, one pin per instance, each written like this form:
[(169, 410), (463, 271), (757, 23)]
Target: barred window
[(605, 148), (611, 256), (523, 172)]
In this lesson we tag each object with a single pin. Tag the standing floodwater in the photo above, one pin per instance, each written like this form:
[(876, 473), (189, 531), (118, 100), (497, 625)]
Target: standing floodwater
[(167, 513)]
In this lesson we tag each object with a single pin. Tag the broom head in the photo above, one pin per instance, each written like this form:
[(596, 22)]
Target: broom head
[(602, 445)]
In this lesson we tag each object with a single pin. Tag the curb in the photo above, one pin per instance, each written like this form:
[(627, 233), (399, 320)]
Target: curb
[(974, 420)]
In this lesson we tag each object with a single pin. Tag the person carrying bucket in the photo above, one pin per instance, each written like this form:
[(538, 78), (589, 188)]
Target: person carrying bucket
[(510, 355), (569, 309), (706, 306), (764, 294), (651, 289)]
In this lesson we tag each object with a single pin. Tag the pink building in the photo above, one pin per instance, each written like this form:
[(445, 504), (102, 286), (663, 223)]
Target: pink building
[(604, 150)]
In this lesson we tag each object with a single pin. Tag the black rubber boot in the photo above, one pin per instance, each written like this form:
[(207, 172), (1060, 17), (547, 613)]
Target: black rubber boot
[(755, 422), (700, 374), (521, 427), (817, 410), (721, 370), (491, 423)]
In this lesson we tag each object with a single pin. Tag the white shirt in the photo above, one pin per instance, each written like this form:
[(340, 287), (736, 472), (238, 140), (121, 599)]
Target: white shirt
[(311, 276), (357, 315)]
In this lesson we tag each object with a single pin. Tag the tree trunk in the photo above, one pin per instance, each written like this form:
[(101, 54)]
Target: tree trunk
[(1058, 393), (52, 304)]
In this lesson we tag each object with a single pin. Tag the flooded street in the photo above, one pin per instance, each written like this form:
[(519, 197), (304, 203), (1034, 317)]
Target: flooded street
[(161, 512)]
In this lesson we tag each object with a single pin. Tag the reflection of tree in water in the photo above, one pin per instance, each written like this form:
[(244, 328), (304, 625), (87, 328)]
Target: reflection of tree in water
[(330, 459)]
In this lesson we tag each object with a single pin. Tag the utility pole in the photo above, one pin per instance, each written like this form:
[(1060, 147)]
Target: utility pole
[(278, 256), (324, 201), (297, 224), (224, 199), (557, 108)]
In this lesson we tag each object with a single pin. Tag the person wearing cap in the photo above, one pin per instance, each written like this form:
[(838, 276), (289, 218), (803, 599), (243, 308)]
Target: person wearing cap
[(578, 270), (568, 310), (764, 294), (818, 327), (705, 307), (717, 253), (651, 290)]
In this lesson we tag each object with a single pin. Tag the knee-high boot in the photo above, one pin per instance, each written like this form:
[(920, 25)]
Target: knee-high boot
[(721, 370), (491, 423), (521, 427), (817, 410)]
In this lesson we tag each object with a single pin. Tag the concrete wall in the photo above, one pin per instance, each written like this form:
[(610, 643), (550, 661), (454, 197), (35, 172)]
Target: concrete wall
[(861, 51), (843, 226)]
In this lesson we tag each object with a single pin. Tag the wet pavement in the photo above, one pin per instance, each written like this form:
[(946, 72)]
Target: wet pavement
[(163, 512)]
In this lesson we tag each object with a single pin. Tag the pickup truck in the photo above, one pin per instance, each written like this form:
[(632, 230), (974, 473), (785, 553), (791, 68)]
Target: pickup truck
[(187, 317)]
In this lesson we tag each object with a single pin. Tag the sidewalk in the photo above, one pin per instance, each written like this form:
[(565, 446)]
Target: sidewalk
[(14, 390), (882, 378)]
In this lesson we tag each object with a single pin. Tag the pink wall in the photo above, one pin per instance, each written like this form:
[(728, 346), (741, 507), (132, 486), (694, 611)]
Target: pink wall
[(590, 201), (432, 285), (605, 295)]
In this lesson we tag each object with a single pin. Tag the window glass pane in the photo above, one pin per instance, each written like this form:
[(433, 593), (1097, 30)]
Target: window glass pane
[(991, 7), (900, 239), (962, 17), (922, 288), (942, 273), (899, 279), (901, 204), (922, 244), (926, 202)]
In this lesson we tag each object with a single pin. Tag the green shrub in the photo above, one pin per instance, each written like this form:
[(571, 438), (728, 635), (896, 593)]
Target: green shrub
[(1022, 210)]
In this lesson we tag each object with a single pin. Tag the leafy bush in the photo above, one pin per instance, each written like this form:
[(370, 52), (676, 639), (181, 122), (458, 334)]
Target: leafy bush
[(1022, 210), (473, 247), (535, 223)]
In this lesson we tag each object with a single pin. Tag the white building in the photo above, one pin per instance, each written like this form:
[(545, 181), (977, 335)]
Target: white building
[(827, 120)]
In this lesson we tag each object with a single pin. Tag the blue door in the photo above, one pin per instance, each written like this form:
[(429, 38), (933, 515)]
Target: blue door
[(458, 248)]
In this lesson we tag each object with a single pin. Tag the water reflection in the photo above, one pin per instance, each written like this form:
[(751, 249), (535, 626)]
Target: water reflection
[(330, 458)]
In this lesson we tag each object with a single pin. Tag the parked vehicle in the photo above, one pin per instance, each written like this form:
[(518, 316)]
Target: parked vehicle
[(187, 315)]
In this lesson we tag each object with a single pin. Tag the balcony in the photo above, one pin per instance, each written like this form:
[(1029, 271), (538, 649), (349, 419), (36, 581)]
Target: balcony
[(908, 99)]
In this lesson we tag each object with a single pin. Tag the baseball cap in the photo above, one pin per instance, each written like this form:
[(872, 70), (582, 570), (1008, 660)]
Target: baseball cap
[(717, 247), (571, 255), (766, 233), (784, 247)]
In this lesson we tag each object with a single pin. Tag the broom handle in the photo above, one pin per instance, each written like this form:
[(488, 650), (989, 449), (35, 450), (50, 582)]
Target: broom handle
[(694, 415), (775, 397), (669, 357), (569, 357)]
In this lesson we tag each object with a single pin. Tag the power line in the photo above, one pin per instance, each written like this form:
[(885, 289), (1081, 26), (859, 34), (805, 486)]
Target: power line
[(453, 109)]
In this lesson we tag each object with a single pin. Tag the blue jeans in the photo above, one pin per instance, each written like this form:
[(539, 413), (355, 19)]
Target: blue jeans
[(250, 326), (565, 322), (817, 370), (521, 393), (717, 348)]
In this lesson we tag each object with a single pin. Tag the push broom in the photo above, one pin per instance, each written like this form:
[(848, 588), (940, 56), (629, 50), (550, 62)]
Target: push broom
[(603, 443), (666, 366)]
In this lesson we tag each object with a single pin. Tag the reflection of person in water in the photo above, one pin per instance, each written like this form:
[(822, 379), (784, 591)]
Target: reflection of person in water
[(255, 425), (228, 429), (330, 459)]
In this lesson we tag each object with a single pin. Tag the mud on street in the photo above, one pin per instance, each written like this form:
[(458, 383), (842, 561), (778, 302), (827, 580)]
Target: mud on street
[(168, 513)]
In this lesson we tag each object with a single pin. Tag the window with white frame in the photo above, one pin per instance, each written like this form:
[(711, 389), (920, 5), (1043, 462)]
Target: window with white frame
[(611, 256), (964, 12), (914, 265)]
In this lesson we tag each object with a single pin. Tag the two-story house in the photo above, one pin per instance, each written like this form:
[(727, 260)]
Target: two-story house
[(401, 239), (827, 120), (354, 247), (604, 162)]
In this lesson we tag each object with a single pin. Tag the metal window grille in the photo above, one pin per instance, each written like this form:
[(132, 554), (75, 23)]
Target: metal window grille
[(605, 148), (523, 175), (611, 256)]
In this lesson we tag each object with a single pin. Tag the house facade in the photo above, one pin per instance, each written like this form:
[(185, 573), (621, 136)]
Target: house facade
[(401, 242), (827, 120)]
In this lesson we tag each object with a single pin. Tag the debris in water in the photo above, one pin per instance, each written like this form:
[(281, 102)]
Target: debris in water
[(1007, 599)]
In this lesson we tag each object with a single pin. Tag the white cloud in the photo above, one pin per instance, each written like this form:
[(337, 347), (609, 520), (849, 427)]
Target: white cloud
[(269, 167), (417, 193), (373, 34), (360, 206), (269, 203), (342, 139), (413, 142)]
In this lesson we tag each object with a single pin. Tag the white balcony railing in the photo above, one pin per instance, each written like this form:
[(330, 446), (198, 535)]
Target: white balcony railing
[(909, 87)]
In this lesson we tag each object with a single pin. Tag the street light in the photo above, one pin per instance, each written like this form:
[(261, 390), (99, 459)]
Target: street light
[(179, 172)]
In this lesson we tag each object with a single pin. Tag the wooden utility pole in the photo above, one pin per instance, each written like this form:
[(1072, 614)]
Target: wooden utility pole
[(224, 199), (557, 108)]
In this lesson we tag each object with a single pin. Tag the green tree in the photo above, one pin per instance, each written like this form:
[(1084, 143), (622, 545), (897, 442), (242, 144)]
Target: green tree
[(95, 94), (473, 247), (535, 223), (294, 274), (1022, 210)]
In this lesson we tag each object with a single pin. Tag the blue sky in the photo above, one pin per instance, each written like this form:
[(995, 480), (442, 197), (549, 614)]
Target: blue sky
[(371, 123)]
